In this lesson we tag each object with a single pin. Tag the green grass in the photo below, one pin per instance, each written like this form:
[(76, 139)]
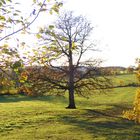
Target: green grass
[(43, 118), (124, 79)]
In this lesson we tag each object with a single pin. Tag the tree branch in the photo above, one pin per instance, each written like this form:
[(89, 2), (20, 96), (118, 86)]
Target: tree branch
[(26, 25)]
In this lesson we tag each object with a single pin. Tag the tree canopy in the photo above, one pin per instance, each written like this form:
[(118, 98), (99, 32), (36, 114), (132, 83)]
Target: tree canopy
[(65, 47)]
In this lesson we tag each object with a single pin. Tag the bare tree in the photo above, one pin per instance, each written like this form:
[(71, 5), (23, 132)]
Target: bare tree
[(67, 48)]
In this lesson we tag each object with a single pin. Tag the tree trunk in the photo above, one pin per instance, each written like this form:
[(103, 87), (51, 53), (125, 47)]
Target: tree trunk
[(71, 98), (71, 79)]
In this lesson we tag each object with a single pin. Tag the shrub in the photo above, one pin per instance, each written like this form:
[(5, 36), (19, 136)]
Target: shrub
[(134, 114)]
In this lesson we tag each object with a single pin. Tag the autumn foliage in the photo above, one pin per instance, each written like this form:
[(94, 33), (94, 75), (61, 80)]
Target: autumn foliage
[(134, 114)]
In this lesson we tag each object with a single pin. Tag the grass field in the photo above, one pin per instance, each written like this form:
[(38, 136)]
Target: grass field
[(45, 118), (125, 79)]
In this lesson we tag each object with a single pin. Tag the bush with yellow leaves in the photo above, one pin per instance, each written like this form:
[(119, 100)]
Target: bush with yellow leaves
[(134, 114)]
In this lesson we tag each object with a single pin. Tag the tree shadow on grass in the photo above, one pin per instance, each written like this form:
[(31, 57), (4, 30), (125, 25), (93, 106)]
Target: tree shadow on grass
[(112, 109), (13, 98), (100, 124), (19, 98)]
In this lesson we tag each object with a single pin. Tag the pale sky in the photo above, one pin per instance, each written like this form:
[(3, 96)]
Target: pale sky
[(116, 27)]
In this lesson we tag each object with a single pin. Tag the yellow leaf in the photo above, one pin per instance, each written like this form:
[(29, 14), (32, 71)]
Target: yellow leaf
[(38, 36), (51, 27), (51, 12)]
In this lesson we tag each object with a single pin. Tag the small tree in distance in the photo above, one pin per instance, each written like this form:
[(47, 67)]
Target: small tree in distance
[(66, 53)]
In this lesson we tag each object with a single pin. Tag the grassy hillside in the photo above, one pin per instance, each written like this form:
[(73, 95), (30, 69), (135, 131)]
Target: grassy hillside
[(125, 79), (44, 118)]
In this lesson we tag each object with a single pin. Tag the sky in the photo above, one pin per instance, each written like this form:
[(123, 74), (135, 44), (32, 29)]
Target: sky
[(116, 27)]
